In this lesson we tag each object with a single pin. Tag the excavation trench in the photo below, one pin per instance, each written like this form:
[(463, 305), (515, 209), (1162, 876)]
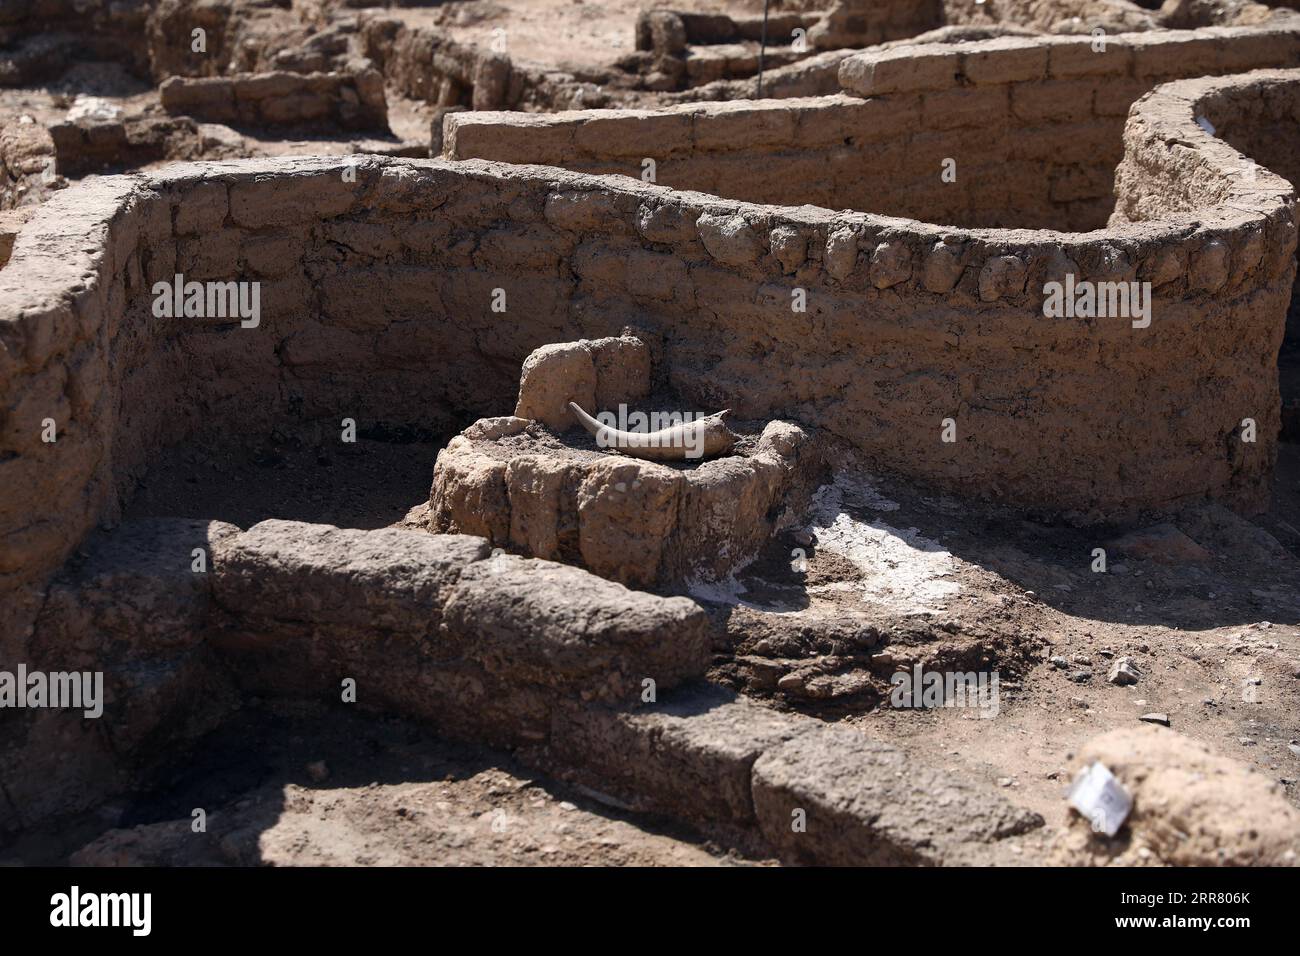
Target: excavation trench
[(399, 301)]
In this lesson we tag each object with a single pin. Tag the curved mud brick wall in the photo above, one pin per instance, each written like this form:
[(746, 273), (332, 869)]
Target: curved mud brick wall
[(1256, 114), (376, 303), (1027, 130)]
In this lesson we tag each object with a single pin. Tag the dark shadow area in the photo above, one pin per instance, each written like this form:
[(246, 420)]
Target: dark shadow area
[(299, 474)]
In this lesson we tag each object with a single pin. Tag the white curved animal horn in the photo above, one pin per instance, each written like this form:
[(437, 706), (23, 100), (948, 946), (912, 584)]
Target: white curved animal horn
[(702, 438)]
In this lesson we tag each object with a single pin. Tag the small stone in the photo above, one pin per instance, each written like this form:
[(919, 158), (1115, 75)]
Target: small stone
[(1154, 718), (1124, 672), (729, 239), (891, 263), (1246, 741), (1081, 677), (1060, 663), (1004, 781), (1294, 748), (791, 683), (803, 538), (841, 253)]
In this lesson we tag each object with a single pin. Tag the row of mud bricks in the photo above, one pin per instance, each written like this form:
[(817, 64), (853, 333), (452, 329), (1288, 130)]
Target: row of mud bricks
[(581, 676)]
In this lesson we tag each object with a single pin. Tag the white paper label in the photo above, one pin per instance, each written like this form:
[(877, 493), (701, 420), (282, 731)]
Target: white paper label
[(1099, 797)]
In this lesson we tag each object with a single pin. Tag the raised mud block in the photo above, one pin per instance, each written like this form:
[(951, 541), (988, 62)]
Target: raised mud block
[(623, 370), (634, 521), (868, 803), (431, 627), (384, 580), (484, 133), (538, 623), (921, 67), (690, 756), (627, 510), (469, 487), (281, 98), (553, 376), (1007, 60)]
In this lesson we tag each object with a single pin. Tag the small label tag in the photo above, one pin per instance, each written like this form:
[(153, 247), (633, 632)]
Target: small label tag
[(1099, 797)]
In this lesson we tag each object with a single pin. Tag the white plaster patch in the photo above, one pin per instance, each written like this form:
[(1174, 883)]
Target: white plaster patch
[(903, 570)]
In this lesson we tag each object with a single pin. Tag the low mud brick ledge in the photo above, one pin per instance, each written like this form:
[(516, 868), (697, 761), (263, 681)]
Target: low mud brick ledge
[(481, 646), (808, 791)]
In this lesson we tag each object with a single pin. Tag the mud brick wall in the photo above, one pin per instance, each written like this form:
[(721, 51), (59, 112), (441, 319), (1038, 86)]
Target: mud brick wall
[(348, 100), (426, 65), (848, 23), (150, 38), (376, 295), (27, 163), (1257, 114), (858, 23), (1034, 125), (38, 40)]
